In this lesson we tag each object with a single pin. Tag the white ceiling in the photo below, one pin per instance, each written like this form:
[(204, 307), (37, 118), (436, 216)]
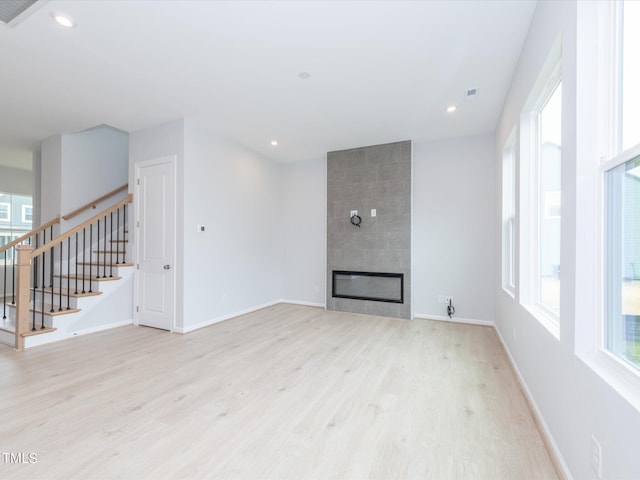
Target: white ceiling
[(380, 71)]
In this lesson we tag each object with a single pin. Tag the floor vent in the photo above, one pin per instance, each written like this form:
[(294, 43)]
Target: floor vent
[(11, 9)]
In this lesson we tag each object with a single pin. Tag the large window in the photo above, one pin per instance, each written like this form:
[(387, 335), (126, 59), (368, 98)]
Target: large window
[(622, 295), (541, 196), (548, 198), (509, 216), (622, 197), (15, 219)]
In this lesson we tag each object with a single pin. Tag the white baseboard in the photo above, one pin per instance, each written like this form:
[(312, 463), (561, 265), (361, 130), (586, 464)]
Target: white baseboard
[(300, 302), (37, 340), (549, 440), (212, 321), (229, 316), (442, 318)]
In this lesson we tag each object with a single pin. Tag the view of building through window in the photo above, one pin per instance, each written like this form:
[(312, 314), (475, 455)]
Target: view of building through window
[(15, 219), (622, 212), (623, 261), (549, 204), (509, 215)]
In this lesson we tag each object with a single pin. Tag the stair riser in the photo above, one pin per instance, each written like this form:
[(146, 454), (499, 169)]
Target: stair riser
[(111, 266), (73, 301), (7, 338), (79, 286), (113, 258), (95, 271), (48, 319)]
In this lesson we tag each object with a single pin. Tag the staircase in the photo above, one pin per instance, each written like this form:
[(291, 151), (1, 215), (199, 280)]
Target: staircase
[(61, 287)]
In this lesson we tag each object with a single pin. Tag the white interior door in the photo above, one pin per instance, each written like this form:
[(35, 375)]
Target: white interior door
[(156, 243)]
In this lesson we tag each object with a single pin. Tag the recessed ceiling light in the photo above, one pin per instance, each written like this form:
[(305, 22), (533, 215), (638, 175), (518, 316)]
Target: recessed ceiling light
[(304, 75), (274, 143), (451, 108), (63, 20)]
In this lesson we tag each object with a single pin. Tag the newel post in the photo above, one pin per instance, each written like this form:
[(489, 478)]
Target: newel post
[(23, 294)]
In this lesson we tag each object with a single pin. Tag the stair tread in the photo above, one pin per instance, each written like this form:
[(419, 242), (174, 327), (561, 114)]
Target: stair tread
[(121, 264), (70, 293), (38, 331), (47, 310), (88, 278)]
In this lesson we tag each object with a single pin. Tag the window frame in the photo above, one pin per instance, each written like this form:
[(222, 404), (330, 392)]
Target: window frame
[(6, 219), (24, 213), (531, 194), (598, 132), (509, 215), (603, 169), (614, 156)]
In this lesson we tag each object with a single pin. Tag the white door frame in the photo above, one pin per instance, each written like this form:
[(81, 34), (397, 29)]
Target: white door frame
[(172, 159)]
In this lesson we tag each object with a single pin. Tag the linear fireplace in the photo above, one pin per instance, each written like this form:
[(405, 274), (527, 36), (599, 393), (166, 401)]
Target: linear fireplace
[(379, 287)]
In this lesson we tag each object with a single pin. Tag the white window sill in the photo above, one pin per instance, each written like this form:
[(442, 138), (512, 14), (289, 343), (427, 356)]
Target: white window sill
[(509, 292), (622, 378), (545, 319)]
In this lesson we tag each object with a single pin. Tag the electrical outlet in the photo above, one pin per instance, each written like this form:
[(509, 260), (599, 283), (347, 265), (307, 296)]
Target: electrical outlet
[(354, 212), (448, 299), (596, 456), (440, 298)]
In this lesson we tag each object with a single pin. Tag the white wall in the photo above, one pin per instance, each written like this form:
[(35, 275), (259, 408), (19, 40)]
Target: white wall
[(454, 226), (573, 401), (80, 167), (235, 264), (51, 178), (304, 222), (94, 162), (152, 143), (16, 180), (36, 182), (242, 199)]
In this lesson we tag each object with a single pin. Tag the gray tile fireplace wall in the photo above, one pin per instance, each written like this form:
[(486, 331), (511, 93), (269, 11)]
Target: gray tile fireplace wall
[(365, 179)]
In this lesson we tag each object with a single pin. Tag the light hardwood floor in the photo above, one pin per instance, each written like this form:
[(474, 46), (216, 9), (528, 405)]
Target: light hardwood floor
[(288, 392)]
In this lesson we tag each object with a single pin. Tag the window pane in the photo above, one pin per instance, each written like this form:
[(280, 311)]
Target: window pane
[(512, 253), (622, 333), (630, 74), (5, 212), (508, 215), (549, 174), (16, 215), (27, 214)]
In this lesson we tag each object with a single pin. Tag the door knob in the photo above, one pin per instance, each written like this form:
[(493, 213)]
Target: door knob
[(167, 267)]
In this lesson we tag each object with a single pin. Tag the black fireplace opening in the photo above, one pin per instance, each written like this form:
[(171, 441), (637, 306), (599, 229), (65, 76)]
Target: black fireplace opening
[(379, 287)]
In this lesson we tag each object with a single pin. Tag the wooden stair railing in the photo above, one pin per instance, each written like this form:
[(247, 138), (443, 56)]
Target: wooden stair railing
[(36, 237), (57, 270), (95, 202)]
